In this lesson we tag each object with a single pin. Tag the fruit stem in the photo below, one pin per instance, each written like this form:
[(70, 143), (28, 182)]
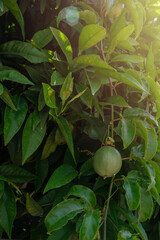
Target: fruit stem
[(107, 208)]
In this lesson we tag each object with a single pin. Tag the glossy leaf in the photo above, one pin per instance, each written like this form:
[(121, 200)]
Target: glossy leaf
[(33, 207), (14, 9), (90, 225), (7, 210), (128, 58), (70, 15), (63, 43), (132, 193), (150, 138), (49, 95), (90, 35), (42, 37), (67, 88), (64, 127), (25, 50), (83, 192), (89, 60), (60, 177), (146, 206), (12, 173), (62, 213), (128, 131), (13, 120), (157, 174), (14, 76), (31, 139)]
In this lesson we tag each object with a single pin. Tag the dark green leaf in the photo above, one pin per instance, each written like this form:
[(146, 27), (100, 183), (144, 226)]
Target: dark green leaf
[(14, 9), (87, 96), (25, 50), (7, 210), (117, 100), (146, 206), (61, 176), (67, 88), (90, 225), (64, 127), (31, 139), (14, 76), (132, 194), (33, 207), (128, 131), (62, 213), (12, 173), (83, 192), (56, 79), (1, 89), (13, 120), (150, 138), (63, 233), (6, 97), (42, 37), (49, 146)]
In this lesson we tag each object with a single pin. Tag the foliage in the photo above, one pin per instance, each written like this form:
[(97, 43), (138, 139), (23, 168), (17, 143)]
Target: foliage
[(77, 75)]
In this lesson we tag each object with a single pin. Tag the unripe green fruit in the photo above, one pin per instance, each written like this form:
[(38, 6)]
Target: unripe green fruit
[(107, 161)]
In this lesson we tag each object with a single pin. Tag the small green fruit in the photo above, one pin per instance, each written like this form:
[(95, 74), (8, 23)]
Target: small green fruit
[(107, 161)]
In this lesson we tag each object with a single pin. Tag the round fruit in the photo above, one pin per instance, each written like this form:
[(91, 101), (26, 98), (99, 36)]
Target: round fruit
[(107, 161)]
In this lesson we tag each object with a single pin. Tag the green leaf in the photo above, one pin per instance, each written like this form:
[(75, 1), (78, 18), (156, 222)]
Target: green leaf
[(42, 37), (7, 210), (90, 36), (64, 127), (146, 206), (63, 233), (132, 193), (66, 88), (150, 138), (61, 176), (89, 60), (88, 16), (1, 89), (125, 78), (63, 43), (83, 192), (150, 67), (31, 139), (49, 146), (151, 174), (49, 95), (13, 120), (25, 50), (14, 76), (70, 15), (14, 9), (157, 174), (1, 188), (33, 207), (87, 96), (138, 113), (117, 100), (134, 222), (12, 173), (62, 213), (128, 131), (56, 79), (5, 96), (90, 225), (128, 58)]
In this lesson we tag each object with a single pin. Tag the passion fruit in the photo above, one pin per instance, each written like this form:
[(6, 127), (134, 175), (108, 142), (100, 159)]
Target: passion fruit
[(107, 161)]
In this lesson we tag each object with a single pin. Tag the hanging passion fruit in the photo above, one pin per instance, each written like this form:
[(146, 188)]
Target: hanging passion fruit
[(107, 161)]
